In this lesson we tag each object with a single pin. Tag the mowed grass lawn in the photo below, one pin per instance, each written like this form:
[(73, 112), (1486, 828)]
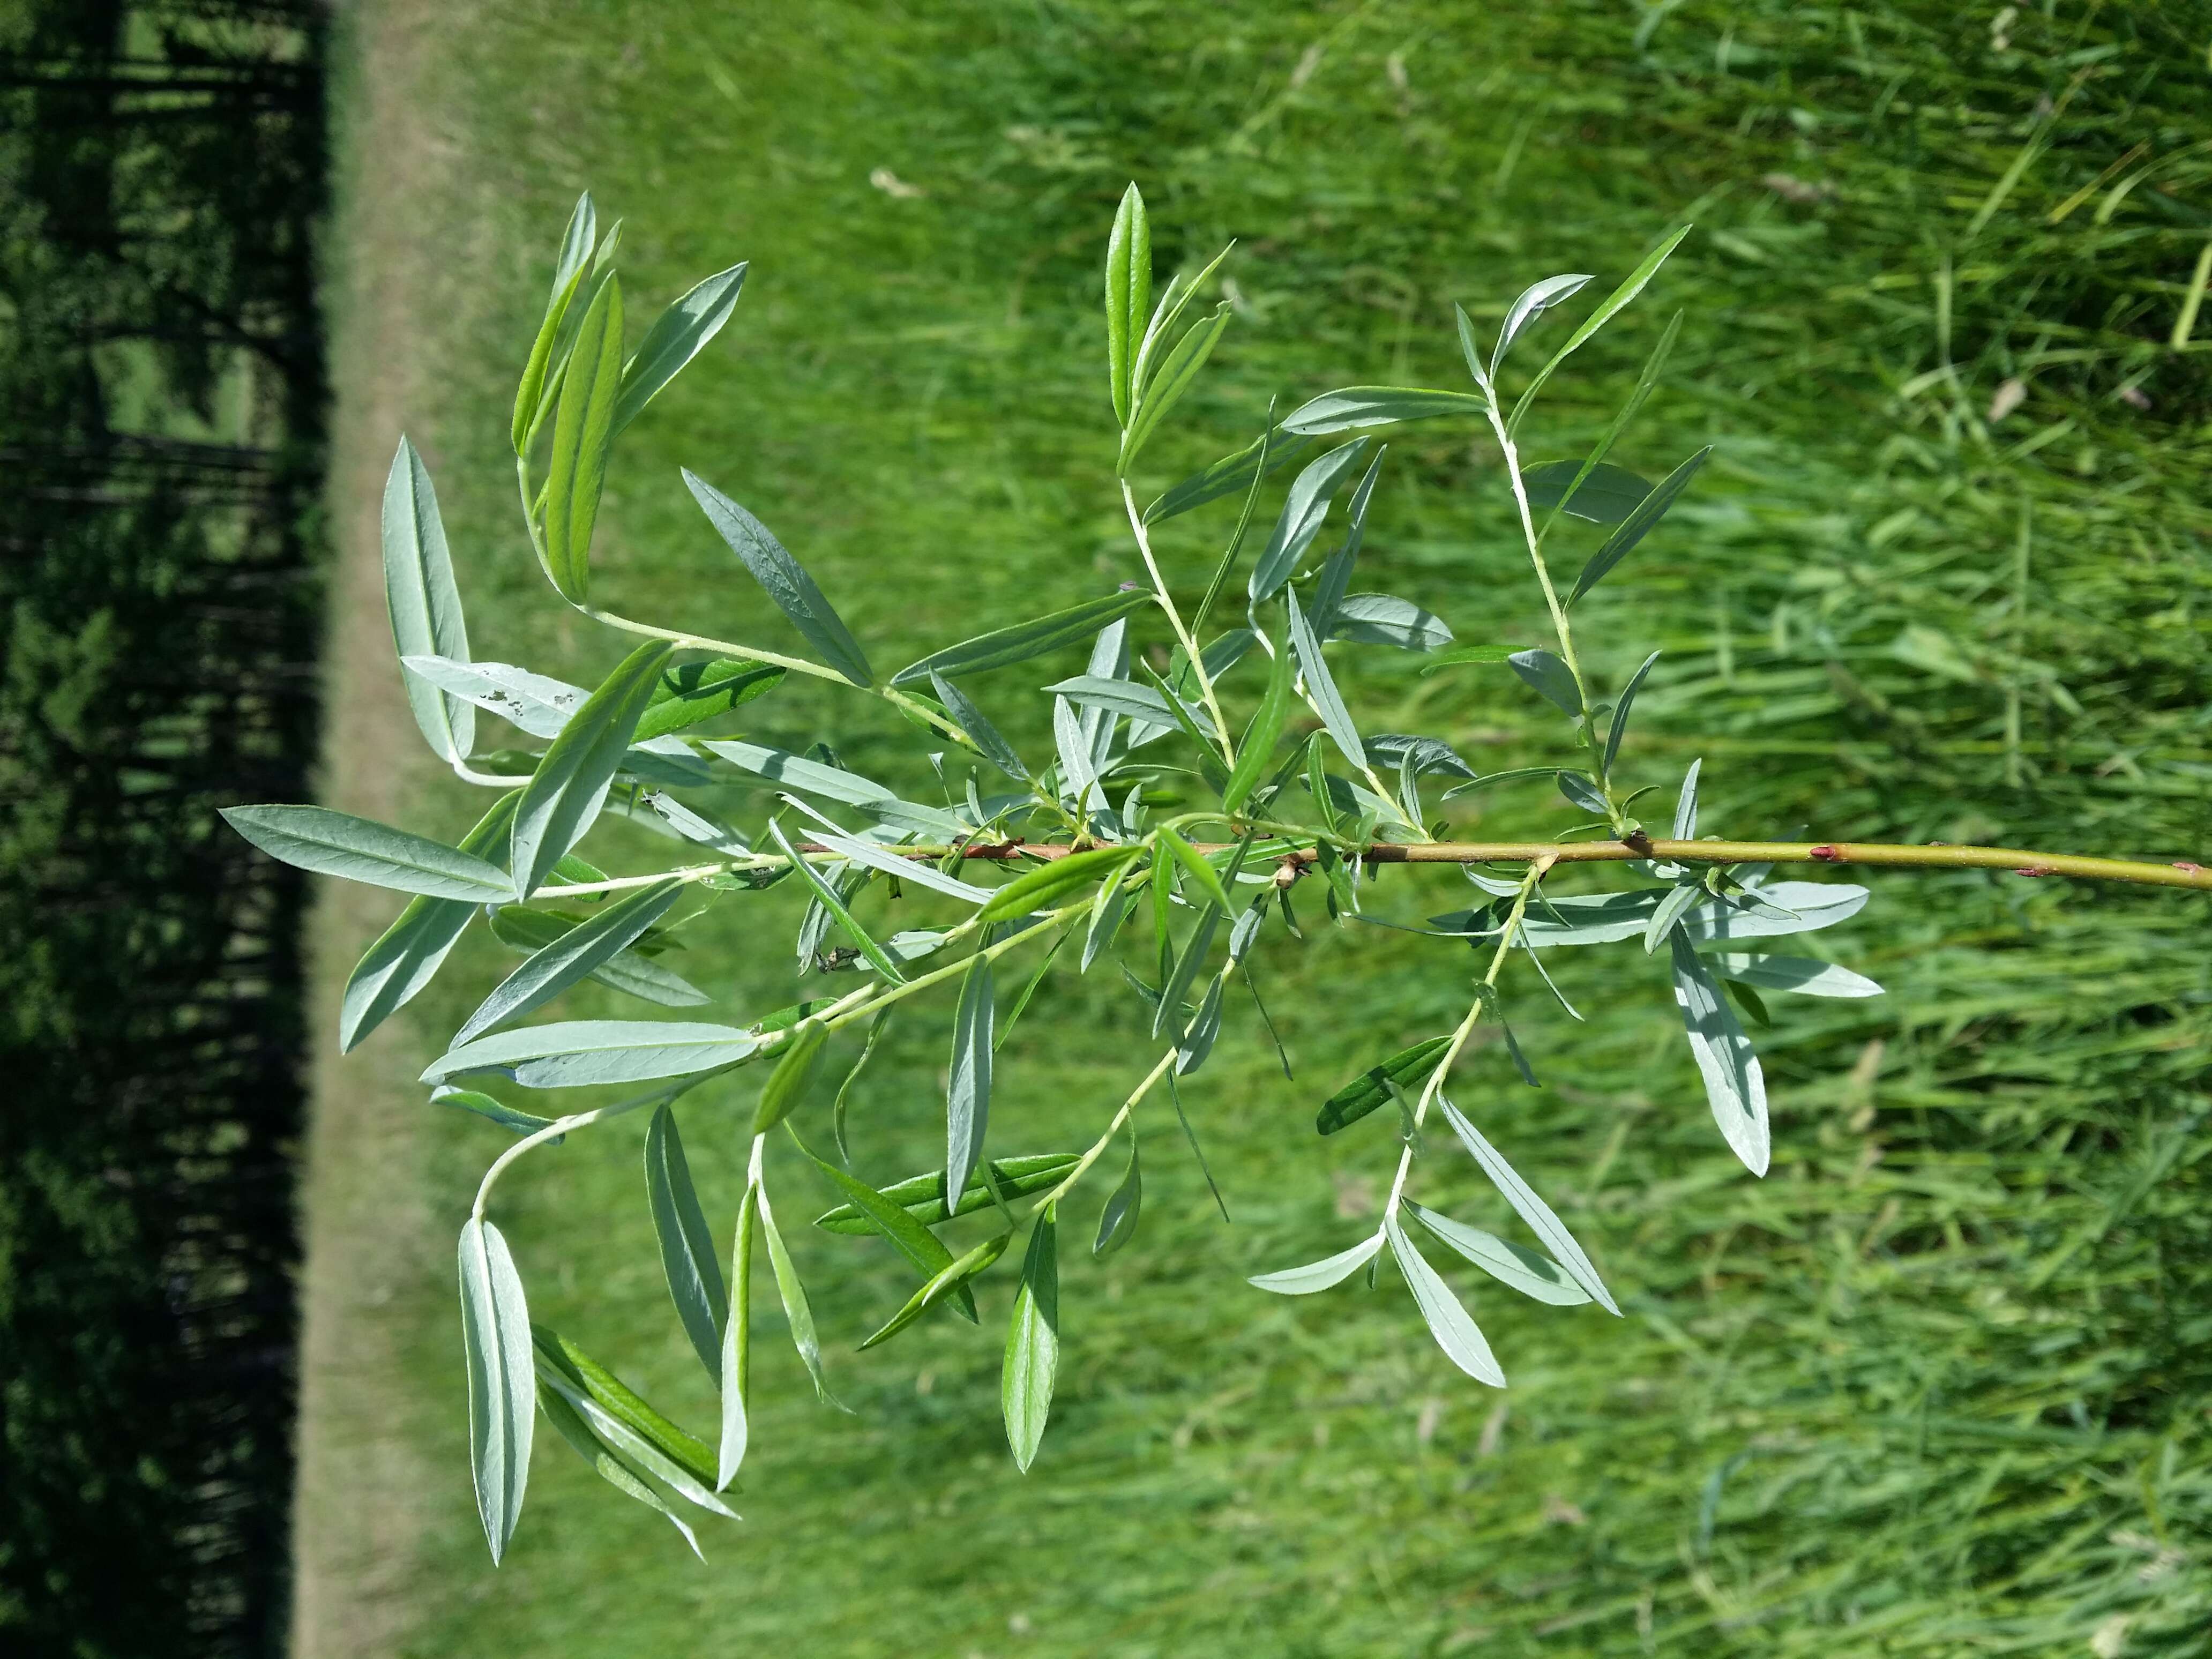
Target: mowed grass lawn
[(1939, 1384)]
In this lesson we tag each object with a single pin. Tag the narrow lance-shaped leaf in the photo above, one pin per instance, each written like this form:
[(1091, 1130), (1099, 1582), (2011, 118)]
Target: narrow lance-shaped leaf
[(564, 795), (780, 1094), (677, 335), (913, 1240), (1619, 727), (1255, 753), (578, 1053), (1736, 1087), (529, 929), (1353, 407), (1173, 303), (408, 954), (694, 692), (1329, 589), (922, 1196), (1613, 303), (1003, 646), (1456, 1333), (1321, 1275), (967, 1088), (1685, 804), (573, 956), (1385, 619), (827, 897), (790, 771), (947, 1282), (1533, 302), (1639, 524), (1032, 1359), (971, 719), (688, 1256), (360, 849), (796, 1309), (785, 580), (1322, 687), (502, 1388), (1049, 885), (1804, 975), (920, 871), (1229, 476), (576, 470), (562, 1362), (569, 274), (606, 1463), (1117, 1222), (1371, 1089), (1549, 677), (1203, 875), (1607, 495), (1128, 295), (1528, 1206), (424, 602), (1526, 1271), (1175, 378), (738, 1346), (1304, 509)]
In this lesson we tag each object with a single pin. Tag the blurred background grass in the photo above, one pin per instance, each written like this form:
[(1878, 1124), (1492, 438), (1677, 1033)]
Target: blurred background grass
[(1939, 1385)]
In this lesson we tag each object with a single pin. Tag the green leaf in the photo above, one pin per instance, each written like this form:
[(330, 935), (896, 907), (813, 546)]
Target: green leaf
[(790, 771), (826, 895), (876, 1029), (922, 1196), (687, 1246), (1785, 906), (640, 1449), (1230, 476), (1620, 728), (693, 692), (1609, 494), (497, 1111), (495, 1342), (1804, 976), (1550, 679), (1004, 646), (1108, 911), (1321, 686), (1614, 302), (1128, 295), (567, 274), (1384, 619), (1173, 303), (948, 1280), (1127, 697), (529, 929), (575, 1054), (1256, 750), (920, 871), (408, 953), (1468, 653), (1526, 1271), (424, 602), (1457, 1334), (538, 704), (360, 849), (967, 1085), (1533, 301), (1321, 1275), (1735, 1088), (738, 1346), (1046, 885), (1685, 804), (1032, 1344), (609, 1464), (1529, 1208), (1667, 914), (1207, 878), (564, 795), (912, 1239), (1304, 510), (1636, 525), (563, 1363), (1371, 1088), (796, 1309), (577, 241), (779, 1095), (1356, 406), (1185, 971), (1117, 1222), (576, 470), (575, 954), (971, 719), (677, 336), (1176, 374), (785, 580), (1198, 1038)]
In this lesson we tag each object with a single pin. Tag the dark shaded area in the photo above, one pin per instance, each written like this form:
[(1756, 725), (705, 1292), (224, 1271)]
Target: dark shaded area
[(161, 166)]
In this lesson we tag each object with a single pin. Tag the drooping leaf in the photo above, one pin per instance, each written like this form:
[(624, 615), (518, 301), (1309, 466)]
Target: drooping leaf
[(1608, 495), (877, 1027), (1003, 646), (678, 1475), (609, 1464), (574, 955), (583, 429), (779, 1095), (1804, 975), (1198, 1038), (1168, 1013), (496, 1111), (947, 1282), (576, 1053), (687, 1244), (502, 1388), (1637, 524), (423, 600), (694, 692), (1321, 1275), (565, 794), (1736, 1087), (1456, 1332), (1202, 873), (1117, 1222), (786, 582), (1385, 619), (1533, 303), (1784, 907), (1108, 911), (1032, 1357), (1550, 677), (1371, 1089), (796, 1309), (677, 336), (1619, 727), (1356, 406), (737, 1346), (827, 897), (1304, 510), (408, 954), (1529, 1207), (566, 1363), (333, 843), (1526, 1271), (968, 1087), (894, 1222), (1129, 296)]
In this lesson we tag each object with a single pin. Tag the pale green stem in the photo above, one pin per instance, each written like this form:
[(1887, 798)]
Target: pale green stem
[(1175, 619)]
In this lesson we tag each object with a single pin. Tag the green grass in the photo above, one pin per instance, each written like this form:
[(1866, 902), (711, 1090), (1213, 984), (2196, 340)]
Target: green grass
[(1937, 1385)]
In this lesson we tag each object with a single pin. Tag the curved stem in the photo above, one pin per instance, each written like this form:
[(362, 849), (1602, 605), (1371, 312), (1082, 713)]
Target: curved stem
[(560, 1126), (1175, 619)]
